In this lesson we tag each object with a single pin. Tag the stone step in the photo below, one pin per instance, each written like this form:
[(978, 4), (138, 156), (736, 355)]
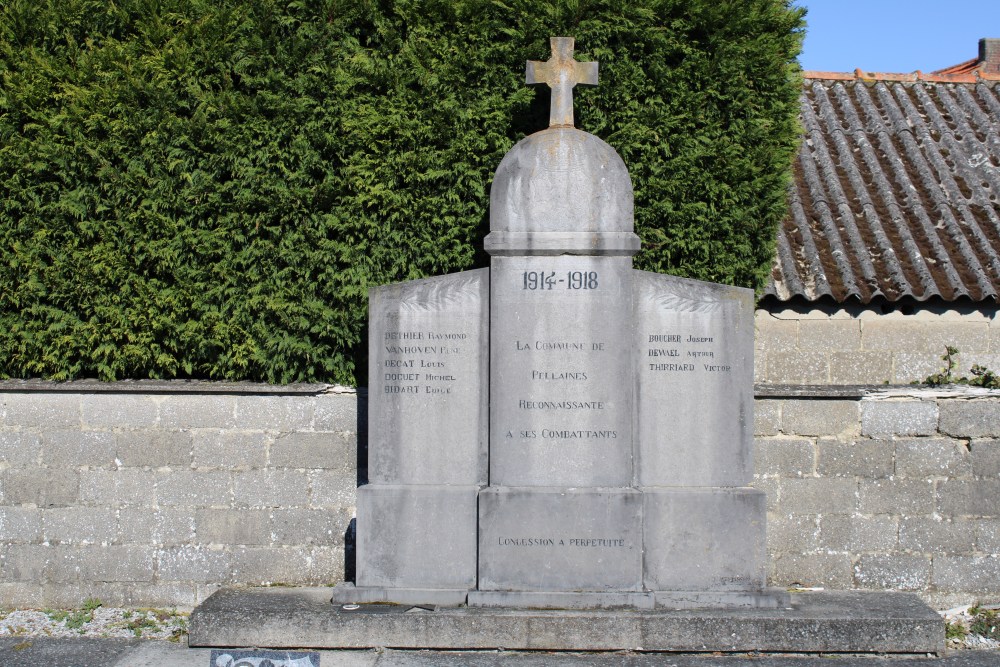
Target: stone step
[(816, 622)]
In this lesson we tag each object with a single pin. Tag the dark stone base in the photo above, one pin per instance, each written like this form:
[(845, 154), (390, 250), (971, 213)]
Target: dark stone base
[(828, 622)]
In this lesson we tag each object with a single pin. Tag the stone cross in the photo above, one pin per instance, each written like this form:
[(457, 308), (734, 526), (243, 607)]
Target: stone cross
[(561, 73)]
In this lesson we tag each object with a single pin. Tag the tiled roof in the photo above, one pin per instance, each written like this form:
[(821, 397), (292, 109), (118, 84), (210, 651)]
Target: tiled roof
[(897, 190)]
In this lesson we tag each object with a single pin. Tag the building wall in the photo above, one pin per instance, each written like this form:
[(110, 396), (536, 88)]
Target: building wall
[(896, 490), (156, 498), (855, 345)]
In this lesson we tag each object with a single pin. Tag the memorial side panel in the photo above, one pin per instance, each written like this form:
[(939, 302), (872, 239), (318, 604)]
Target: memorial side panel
[(428, 400), (693, 366), (560, 344)]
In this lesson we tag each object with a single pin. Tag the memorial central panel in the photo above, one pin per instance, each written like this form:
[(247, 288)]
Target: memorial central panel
[(561, 408)]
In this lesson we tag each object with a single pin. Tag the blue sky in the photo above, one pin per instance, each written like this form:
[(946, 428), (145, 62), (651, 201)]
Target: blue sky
[(895, 35)]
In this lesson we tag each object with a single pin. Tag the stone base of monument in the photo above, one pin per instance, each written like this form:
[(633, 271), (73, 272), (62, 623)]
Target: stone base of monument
[(817, 622)]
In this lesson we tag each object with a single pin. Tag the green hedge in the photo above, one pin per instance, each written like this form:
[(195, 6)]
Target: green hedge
[(208, 188)]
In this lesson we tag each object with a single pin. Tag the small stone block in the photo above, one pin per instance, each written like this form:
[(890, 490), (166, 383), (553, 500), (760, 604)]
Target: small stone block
[(348, 593), (545, 539), (704, 539), (769, 598), (416, 536), (561, 600)]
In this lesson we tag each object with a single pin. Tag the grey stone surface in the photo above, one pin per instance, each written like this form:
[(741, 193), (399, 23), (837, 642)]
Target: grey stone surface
[(818, 495), (561, 599), (313, 450), (783, 457), (901, 572), (888, 418), (538, 539), (41, 410), (44, 487), (229, 450), (72, 448), (117, 411), (896, 496), (179, 412), (416, 536), (273, 413), (693, 365), (560, 399), (270, 488), (704, 540), (970, 419), (810, 417), (560, 180), (827, 622), (155, 448), (428, 397), (872, 459), (932, 457)]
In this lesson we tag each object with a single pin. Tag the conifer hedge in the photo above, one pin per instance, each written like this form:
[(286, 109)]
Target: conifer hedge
[(208, 188)]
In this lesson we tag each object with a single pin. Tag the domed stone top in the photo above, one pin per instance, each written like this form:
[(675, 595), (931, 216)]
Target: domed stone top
[(561, 190)]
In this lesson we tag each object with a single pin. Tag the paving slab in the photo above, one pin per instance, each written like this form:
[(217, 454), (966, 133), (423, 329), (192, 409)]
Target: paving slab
[(827, 622)]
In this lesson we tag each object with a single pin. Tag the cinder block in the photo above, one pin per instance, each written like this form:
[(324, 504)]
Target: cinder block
[(333, 488), (895, 334), (161, 527), (337, 413), (975, 418), (806, 417), (328, 566), (915, 366), (18, 448), (815, 569), (45, 487), (270, 488), (759, 366), (154, 449), (273, 565), (818, 496), (229, 527), (22, 595), (798, 367), (860, 367), (117, 488), (69, 449), (274, 413), (934, 535), (769, 485), (206, 411), (792, 533), (116, 563), (193, 488), (230, 450), (977, 575), (833, 335), (985, 457), (314, 451), (866, 459), (966, 336), (309, 526), (932, 457), (194, 563), (856, 533), (41, 410), (79, 525), (899, 497), (25, 562), (773, 334), (118, 411), (766, 416), (979, 497), (783, 457), (20, 525), (987, 535), (893, 571), (882, 419)]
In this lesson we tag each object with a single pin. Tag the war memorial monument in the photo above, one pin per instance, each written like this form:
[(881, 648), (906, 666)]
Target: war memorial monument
[(560, 448)]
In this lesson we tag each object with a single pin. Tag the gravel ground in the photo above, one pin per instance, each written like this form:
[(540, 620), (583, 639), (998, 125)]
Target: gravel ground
[(961, 616), (92, 621)]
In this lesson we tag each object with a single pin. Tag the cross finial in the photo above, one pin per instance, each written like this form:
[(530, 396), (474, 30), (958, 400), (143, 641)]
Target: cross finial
[(561, 73)]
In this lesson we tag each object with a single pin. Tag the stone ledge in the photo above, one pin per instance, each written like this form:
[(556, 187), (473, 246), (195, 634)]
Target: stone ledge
[(847, 622), (169, 387)]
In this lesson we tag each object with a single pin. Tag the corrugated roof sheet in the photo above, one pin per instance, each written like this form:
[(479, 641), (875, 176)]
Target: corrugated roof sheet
[(897, 191)]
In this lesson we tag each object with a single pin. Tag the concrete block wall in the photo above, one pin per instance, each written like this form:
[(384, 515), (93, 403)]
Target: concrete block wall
[(847, 345), (894, 490), (158, 497)]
